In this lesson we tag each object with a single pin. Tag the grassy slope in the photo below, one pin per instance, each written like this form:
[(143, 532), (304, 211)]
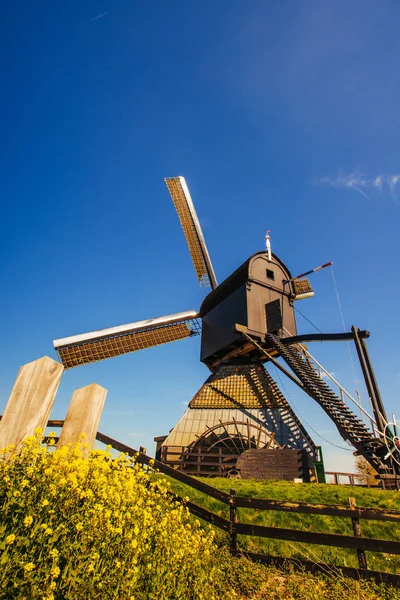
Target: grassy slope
[(320, 494)]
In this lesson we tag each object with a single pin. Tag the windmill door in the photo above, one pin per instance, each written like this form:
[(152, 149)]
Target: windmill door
[(274, 316)]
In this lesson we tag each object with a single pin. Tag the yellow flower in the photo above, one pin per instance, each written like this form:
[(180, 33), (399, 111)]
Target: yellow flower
[(10, 539), (29, 567), (28, 521), (79, 526), (24, 483), (54, 553), (45, 502), (55, 571)]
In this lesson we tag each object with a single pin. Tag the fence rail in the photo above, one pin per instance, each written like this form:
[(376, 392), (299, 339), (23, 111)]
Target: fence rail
[(331, 510)]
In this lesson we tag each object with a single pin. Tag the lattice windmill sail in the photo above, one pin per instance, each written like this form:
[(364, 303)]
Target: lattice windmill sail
[(246, 321), (108, 343), (191, 227)]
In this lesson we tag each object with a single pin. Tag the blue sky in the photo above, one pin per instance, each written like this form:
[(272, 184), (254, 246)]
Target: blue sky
[(281, 116)]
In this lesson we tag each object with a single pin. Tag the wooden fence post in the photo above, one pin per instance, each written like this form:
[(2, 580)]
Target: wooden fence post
[(83, 416), (362, 559), (30, 401), (233, 521)]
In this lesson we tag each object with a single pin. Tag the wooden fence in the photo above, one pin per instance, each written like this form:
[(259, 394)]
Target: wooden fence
[(234, 528), (29, 407), (385, 481), (32, 398)]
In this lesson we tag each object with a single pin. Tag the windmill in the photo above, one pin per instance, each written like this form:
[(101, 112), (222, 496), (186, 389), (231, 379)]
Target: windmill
[(245, 322)]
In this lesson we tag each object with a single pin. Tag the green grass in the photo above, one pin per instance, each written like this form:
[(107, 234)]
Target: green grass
[(314, 493)]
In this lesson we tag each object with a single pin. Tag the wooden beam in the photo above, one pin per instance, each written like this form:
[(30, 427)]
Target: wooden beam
[(323, 337), (324, 539), (83, 417), (30, 401), (333, 510)]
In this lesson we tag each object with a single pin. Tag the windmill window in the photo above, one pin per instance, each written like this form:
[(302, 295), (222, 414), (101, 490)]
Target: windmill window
[(270, 274)]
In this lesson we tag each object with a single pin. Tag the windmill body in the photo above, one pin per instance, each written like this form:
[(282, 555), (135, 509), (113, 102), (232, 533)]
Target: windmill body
[(247, 321), (258, 295)]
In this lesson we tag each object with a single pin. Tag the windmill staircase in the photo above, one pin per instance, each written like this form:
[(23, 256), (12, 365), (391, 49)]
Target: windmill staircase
[(350, 427)]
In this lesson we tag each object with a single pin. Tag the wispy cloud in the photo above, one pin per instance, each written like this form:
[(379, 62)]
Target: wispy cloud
[(136, 434), (97, 17), (358, 182), (325, 376)]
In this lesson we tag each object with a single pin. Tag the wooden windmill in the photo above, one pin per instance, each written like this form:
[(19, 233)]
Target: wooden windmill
[(245, 322)]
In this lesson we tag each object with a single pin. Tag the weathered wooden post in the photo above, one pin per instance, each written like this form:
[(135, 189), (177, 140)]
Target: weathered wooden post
[(83, 416), (233, 521), (362, 559), (30, 401)]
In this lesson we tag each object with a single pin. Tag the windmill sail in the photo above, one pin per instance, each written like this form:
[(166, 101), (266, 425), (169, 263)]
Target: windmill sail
[(106, 343), (191, 228)]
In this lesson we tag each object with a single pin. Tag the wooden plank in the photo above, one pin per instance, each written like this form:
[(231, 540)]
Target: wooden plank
[(83, 417), (323, 337), (30, 401), (323, 539), (174, 473), (362, 559), (55, 423), (210, 517), (313, 567), (262, 463), (334, 510)]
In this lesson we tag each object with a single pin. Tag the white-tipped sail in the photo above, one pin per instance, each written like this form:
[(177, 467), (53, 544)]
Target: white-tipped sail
[(191, 228), (114, 341)]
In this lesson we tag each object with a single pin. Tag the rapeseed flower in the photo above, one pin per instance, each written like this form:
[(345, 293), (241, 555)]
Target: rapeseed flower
[(10, 539), (87, 520)]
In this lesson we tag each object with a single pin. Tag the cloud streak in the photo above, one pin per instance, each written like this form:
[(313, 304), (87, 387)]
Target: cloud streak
[(97, 17), (357, 182)]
